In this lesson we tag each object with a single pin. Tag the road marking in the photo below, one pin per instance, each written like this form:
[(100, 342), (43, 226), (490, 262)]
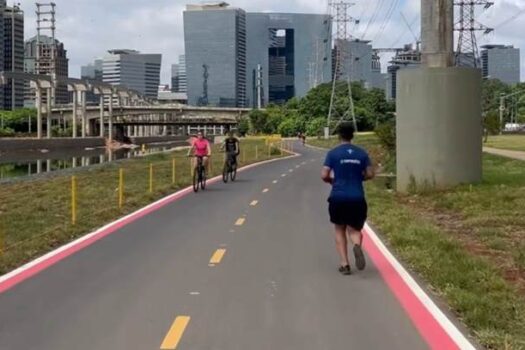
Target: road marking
[(240, 221), (266, 190), (217, 256), (291, 170), (175, 333), (303, 163), (40, 264), (283, 175), (297, 166), (195, 293), (434, 326), (254, 203), (275, 181)]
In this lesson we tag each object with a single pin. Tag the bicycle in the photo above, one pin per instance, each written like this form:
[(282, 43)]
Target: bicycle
[(199, 175), (229, 169)]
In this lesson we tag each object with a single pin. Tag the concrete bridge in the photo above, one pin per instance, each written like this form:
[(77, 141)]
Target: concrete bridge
[(136, 115)]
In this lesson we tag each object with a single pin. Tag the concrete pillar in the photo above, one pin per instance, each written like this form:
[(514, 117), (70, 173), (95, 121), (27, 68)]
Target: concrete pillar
[(39, 166), (101, 115), (48, 162), (84, 116), (110, 122), (437, 33), (74, 121), (48, 114), (38, 103)]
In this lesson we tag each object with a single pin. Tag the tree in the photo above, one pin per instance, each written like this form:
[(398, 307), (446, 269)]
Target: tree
[(258, 120), (244, 126)]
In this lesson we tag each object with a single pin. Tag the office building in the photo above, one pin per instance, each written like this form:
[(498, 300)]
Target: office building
[(215, 47), (134, 70), (501, 62), (288, 54), (92, 72), (408, 58), (234, 58), (179, 81), (12, 34), (360, 61), (46, 49)]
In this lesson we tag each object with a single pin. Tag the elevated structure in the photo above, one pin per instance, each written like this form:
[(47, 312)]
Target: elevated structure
[(439, 126), (134, 113), (13, 60)]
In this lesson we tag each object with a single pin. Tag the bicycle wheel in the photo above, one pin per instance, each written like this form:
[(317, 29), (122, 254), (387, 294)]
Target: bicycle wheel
[(203, 178), (196, 180)]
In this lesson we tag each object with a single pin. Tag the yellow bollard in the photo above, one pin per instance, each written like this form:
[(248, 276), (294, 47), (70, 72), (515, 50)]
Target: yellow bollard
[(173, 171), (256, 152), (151, 178), (269, 150), (74, 200), (143, 148), (121, 188)]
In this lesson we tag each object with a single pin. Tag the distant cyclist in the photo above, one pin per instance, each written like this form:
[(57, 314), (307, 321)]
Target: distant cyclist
[(231, 147), (200, 148), (348, 209)]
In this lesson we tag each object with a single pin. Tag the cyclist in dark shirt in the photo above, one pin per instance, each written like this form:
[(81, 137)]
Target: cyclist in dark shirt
[(350, 166), (231, 146)]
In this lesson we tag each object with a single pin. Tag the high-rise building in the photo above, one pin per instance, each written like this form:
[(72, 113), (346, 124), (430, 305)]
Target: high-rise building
[(292, 51), (134, 70), (179, 82), (409, 58), (13, 55), (215, 46), (360, 62), (46, 47), (93, 72), (501, 62)]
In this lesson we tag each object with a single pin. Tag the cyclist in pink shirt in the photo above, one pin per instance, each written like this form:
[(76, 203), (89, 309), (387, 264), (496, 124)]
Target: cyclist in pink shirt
[(200, 148)]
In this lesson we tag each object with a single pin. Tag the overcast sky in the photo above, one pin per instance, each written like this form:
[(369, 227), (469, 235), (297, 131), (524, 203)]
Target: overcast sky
[(89, 28)]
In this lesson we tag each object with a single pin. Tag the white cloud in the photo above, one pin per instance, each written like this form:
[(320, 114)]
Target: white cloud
[(89, 28)]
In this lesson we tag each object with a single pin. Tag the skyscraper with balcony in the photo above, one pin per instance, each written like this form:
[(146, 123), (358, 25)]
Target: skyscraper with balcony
[(501, 62), (134, 70), (215, 47)]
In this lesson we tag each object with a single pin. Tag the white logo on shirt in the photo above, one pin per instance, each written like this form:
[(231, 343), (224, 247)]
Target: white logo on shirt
[(351, 161)]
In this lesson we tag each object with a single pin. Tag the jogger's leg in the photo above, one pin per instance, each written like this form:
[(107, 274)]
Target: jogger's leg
[(341, 243), (355, 236)]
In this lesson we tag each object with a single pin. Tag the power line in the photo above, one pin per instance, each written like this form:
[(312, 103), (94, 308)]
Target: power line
[(386, 21), (373, 18)]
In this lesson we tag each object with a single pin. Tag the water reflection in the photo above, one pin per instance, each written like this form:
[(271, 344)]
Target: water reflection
[(35, 163)]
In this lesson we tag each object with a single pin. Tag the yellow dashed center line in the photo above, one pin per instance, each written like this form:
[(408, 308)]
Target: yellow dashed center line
[(254, 203), (217, 256), (175, 333), (240, 222)]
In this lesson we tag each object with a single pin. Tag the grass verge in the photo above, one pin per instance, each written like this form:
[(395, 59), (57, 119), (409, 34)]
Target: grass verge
[(466, 243), (512, 142), (35, 215)]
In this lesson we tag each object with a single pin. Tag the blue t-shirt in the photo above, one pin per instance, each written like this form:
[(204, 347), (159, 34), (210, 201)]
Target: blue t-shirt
[(348, 163)]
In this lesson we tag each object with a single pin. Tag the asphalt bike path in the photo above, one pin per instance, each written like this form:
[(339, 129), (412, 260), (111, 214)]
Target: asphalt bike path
[(247, 265)]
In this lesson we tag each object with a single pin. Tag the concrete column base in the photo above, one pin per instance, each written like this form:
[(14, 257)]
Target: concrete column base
[(439, 128)]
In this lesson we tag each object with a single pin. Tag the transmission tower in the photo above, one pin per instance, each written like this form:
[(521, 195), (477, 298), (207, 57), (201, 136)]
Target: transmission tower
[(341, 18), (467, 53), (46, 53)]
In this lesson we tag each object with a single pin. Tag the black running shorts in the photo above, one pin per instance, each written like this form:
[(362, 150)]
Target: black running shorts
[(349, 213)]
